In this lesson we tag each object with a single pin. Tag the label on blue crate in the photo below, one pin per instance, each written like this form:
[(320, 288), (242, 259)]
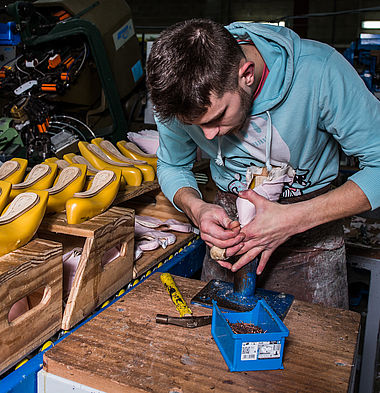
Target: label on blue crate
[(260, 350)]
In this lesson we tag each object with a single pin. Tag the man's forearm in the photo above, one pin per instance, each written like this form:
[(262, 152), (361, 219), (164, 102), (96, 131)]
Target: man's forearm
[(189, 200), (341, 202)]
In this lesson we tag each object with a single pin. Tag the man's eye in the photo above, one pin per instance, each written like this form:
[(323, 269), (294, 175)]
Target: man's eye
[(216, 122)]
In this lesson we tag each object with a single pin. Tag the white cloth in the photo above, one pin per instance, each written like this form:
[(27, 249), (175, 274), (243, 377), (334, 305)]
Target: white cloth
[(271, 189), (146, 140)]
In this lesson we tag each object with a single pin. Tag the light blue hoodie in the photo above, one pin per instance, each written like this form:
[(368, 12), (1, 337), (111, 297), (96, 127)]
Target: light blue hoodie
[(312, 100)]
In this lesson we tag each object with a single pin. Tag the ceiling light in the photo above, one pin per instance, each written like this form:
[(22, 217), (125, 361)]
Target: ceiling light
[(371, 24)]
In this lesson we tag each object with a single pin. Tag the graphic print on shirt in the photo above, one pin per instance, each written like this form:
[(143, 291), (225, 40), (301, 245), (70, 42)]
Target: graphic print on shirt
[(238, 184), (253, 136), (299, 178)]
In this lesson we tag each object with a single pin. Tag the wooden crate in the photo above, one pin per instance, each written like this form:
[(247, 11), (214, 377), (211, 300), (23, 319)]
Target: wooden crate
[(94, 283), (134, 191), (35, 267)]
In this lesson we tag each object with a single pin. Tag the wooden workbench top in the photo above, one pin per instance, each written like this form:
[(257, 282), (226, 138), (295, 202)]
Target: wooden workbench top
[(123, 350)]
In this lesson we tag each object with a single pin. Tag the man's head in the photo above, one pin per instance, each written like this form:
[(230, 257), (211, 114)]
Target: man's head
[(191, 67)]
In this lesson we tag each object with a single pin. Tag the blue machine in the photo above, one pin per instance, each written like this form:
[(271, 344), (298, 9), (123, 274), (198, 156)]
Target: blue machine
[(9, 39), (364, 55), (8, 36)]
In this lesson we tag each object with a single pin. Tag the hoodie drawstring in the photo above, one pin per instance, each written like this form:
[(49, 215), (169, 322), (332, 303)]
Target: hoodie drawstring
[(219, 157), (268, 143)]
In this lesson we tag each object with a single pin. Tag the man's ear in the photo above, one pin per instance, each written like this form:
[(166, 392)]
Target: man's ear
[(247, 73)]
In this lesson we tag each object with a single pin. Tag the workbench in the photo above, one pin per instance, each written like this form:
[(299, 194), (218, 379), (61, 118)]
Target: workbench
[(122, 349)]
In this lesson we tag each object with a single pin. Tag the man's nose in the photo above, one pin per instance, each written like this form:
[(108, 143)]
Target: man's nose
[(210, 132)]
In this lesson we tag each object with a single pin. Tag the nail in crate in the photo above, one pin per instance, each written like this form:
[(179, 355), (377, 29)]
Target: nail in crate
[(253, 351)]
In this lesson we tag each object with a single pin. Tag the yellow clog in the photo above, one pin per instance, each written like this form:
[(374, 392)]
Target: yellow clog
[(87, 204), (13, 171), (131, 150), (5, 189), (21, 219), (69, 181), (62, 164), (99, 160), (40, 177), (91, 170), (111, 152), (72, 158)]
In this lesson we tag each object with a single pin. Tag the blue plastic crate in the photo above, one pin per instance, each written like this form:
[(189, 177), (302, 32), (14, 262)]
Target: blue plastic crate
[(246, 352)]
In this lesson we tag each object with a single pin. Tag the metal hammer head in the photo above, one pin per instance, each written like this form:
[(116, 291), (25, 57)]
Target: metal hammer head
[(187, 322)]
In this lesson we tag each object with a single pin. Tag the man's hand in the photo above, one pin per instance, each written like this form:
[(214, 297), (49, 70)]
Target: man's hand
[(275, 223), (271, 227), (216, 228)]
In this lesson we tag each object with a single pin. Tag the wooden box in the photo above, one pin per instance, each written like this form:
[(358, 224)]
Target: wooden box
[(34, 268), (94, 282)]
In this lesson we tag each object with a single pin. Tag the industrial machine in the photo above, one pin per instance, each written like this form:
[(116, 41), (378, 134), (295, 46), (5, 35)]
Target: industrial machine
[(364, 55), (73, 67)]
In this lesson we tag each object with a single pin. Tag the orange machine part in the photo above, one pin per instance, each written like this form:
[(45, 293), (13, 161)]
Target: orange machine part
[(49, 87), (54, 61)]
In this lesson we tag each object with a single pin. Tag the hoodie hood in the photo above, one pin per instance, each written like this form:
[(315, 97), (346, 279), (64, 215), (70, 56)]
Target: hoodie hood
[(280, 57)]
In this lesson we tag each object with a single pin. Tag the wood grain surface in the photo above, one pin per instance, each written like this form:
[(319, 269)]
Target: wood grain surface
[(123, 350), (132, 192), (37, 266), (94, 283)]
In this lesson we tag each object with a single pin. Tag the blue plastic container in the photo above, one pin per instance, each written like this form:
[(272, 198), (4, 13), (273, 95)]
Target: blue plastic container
[(246, 352)]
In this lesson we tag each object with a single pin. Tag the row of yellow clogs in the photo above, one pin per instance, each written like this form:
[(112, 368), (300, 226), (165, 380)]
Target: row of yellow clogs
[(135, 165), (42, 190), (22, 216)]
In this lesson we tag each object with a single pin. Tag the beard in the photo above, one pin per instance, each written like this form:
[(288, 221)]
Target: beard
[(245, 109)]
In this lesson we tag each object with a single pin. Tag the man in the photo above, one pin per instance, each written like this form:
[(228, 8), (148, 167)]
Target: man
[(254, 95)]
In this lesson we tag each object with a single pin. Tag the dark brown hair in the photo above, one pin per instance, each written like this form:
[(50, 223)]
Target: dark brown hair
[(189, 61)]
